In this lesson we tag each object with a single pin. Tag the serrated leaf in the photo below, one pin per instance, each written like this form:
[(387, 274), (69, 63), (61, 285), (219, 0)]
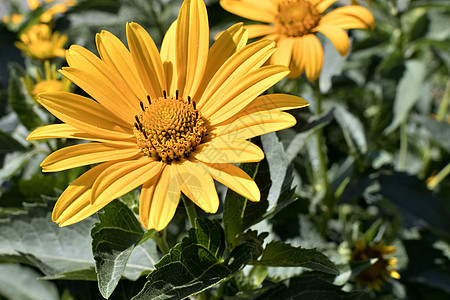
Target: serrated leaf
[(278, 254), (234, 206), (409, 91), (20, 283), (21, 102), (113, 240), (195, 264)]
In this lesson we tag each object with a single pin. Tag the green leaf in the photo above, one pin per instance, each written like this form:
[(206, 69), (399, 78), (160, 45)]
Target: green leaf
[(21, 103), (305, 287), (195, 264), (20, 283), (278, 254), (113, 240), (9, 144), (234, 206), (418, 205), (33, 238), (352, 128), (409, 91), (439, 131)]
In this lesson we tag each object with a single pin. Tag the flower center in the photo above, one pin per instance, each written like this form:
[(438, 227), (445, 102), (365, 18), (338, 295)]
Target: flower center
[(169, 128), (296, 17)]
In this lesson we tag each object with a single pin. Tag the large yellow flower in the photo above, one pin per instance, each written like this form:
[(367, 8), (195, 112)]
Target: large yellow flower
[(295, 23), (39, 42), (170, 121)]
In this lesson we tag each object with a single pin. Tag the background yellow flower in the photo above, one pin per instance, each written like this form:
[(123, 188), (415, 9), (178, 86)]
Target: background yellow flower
[(294, 25)]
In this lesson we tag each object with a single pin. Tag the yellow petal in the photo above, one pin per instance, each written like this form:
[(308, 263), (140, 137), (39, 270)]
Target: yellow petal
[(298, 60), (234, 178), (274, 102), (159, 200), (347, 17), (261, 10), (337, 36), (197, 185), (192, 44), (248, 59), (86, 154), (255, 124), (259, 30), (84, 114), (113, 52), (122, 177), (229, 42), (74, 203), (324, 4), (67, 131), (226, 151), (313, 52), (168, 59), (251, 86), (147, 60), (284, 52), (101, 82)]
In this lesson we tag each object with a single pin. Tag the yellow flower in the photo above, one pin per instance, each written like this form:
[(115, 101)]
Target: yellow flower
[(47, 83), (382, 269), (295, 23), (171, 121), (39, 42), (46, 17)]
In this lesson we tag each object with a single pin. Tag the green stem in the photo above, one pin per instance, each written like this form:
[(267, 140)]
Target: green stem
[(160, 239), (190, 210), (323, 169), (403, 146), (443, 107), (439, 177)]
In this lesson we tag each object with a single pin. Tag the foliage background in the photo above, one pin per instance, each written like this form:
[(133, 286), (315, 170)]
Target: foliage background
[(387, 133)]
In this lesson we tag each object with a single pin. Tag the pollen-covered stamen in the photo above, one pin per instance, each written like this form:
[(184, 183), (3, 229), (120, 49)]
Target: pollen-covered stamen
[(169, 128), (296, 18)]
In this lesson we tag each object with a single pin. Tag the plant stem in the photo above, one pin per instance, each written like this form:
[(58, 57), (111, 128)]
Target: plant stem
[(323, 169), (443, 107), (403, 146), (190, 210), (161, 241)]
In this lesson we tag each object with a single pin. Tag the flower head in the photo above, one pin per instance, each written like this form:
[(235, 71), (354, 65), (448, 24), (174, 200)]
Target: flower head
[(39, 42), (171, 121), (382, 269), (294, 25), (47, 82)]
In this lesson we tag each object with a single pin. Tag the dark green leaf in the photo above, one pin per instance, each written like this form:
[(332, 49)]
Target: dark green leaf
[(113, 240), (195, 264), (234, 206), (9, 144), (305, 287), (417, 204), (277, 254)]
